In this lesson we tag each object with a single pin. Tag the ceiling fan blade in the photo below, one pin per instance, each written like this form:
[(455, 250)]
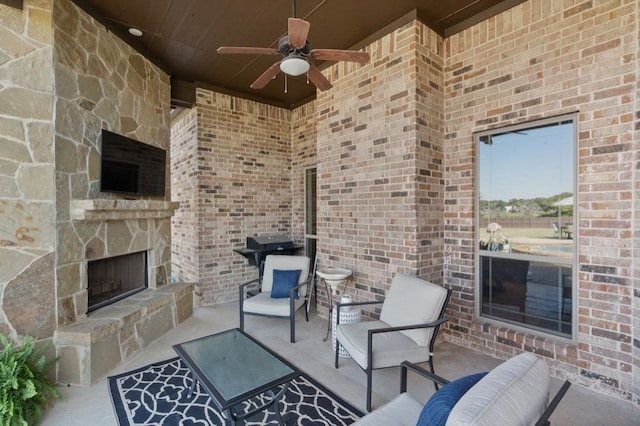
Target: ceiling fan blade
[(248, 50), (317, 78), (266, 76), (340, 55), (298, 32)]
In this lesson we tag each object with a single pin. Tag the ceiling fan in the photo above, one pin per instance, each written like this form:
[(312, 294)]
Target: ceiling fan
[(296, 51)]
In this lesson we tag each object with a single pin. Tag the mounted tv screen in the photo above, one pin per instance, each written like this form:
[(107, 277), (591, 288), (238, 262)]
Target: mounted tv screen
[(131, 167)]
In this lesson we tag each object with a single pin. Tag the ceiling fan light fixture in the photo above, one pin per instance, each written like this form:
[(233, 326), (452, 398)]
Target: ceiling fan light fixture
[(294, 66)]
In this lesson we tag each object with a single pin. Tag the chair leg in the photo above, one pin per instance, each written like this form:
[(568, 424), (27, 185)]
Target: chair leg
[(293, 328), (369, 377), (241, 313), (432, 371), (336, 354)]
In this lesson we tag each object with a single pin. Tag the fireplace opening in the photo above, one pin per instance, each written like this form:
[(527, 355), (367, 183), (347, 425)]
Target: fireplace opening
[(115, 278)]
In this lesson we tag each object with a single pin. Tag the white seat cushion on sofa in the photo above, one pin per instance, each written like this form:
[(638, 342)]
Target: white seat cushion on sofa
[(514, 393), (403, 410)]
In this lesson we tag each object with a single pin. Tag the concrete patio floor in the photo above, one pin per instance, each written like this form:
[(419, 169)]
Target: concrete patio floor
[(92, 405)]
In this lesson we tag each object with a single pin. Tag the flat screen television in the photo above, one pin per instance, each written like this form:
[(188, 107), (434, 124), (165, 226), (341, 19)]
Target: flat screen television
[(128, 166)]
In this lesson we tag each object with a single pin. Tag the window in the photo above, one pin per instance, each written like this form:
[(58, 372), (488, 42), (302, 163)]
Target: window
[(526, 233), (310, 217)]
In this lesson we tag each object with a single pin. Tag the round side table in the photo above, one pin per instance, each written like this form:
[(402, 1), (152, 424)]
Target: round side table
[(346, 317)]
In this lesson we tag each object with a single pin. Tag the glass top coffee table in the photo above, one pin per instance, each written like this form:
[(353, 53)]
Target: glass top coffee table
[(232, 367)]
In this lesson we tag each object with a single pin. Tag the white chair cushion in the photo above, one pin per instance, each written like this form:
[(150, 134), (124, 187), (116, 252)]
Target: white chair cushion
[(514, 393), (284, 263), (264, 304), (389, 349), (401, 411), (412, 300)]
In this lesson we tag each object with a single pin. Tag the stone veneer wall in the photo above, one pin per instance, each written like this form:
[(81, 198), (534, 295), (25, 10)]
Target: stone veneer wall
[(242, 180), (541, 59), (27, 170), (101, 82), (63, 78)]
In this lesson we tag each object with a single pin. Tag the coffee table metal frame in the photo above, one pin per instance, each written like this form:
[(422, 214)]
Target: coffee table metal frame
[(218, 349)]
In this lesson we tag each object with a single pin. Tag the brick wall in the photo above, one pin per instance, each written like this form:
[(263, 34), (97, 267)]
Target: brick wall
[(243, 187), (184, 185), (536, 60), (396, 169), (303, 149), (380, 176), (429, 173)]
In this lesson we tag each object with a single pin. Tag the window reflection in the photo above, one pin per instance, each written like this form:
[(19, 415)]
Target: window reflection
[(526, 190), (526, 231)]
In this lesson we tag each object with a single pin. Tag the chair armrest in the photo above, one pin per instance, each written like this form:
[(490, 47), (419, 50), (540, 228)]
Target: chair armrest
[(370, 333), (406, 365), (435, 323), (370, 302), (243, 286), (249, 282), (339, 305), (544, 419), (299, 286)]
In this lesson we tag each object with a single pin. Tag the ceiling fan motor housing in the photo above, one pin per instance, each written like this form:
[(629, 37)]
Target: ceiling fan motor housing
[(286, 49)]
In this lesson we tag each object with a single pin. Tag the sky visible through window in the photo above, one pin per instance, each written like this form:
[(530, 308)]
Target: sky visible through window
[(528, 163)]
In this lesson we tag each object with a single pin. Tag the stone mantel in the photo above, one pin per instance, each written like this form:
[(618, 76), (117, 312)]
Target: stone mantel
[(102, 209)]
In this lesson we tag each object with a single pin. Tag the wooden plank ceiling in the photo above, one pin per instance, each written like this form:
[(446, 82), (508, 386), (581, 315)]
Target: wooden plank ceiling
[(181, 36)]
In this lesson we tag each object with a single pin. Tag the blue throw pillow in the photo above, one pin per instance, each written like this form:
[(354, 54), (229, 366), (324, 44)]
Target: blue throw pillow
[(436, 410), (283, 281)]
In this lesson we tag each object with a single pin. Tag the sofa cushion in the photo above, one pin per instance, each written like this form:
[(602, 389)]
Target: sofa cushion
[(283, 282), (437, 409), (514, 393), (403, 410)]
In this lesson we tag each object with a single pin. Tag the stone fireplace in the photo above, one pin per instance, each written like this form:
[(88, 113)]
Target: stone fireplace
[(95, 338), (115, 278), (67, 78)]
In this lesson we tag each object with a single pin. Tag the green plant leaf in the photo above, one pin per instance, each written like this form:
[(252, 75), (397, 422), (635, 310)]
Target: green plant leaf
[(24, 386)]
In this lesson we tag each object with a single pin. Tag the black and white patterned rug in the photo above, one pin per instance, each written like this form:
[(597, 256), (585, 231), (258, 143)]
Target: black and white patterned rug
[(157, 395)]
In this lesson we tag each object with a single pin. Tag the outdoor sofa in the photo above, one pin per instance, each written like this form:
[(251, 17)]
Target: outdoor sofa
[(514, 393)]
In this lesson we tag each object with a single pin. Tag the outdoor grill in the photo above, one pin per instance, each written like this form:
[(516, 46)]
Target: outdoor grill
[(259, 247)]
